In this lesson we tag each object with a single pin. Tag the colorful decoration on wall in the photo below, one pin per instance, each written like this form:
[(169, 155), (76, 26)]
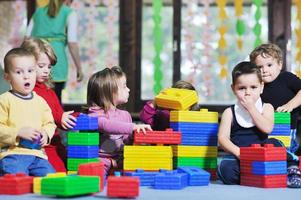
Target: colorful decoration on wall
[(257, 27), (16, 38), (298, 37), (222, 43), (157, 31), (240, 25)]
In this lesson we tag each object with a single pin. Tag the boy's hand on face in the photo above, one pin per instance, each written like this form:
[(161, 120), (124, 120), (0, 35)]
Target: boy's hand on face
[(44, 138), (29, 133), (285, 108), (247, 102)]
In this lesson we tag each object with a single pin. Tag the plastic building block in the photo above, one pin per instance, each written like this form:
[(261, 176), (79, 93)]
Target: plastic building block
[(246, 166), (30, 144), (269, 168), (148, 152), (123, 186), (213, 174), (196, 176), (194, 151), (93, 169), (147, 163), (195, 127), (171, 180), (282, 118), (158, 137), (146, 178), (16, 184), (202, 116), (281, 129), (266, 153), (82, 151), (37, 181), (286, 140), (208, 163), (70, 185), (177, 99), (72, 172), (85, 122), (266, 181), (199, 140), (83, 138), (73, 163)]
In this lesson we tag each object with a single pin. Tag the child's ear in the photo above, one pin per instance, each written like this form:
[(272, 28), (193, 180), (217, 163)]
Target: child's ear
[(232, 87), (6, 77)]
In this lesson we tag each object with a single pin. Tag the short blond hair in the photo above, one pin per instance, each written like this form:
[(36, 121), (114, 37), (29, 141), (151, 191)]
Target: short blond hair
[(15, 53), (267, 50)]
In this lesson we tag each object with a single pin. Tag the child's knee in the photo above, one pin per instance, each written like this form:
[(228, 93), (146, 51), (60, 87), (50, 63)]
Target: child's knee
[(228, 172)]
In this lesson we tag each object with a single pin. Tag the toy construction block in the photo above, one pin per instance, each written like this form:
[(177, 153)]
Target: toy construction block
[(281, 129), (266, 181), (199, 140), (202, 116), (147, 152), (30, 144), (286, 140), (196, 176), (282, 118), (208, 163), (15, 184), (171, 180), (146, 178), (194, 151), (93, 169), (123, 186), (147, 163), (37, 181), (70, 185), (83, 138), (82, 151), (176, 99), (85, 123), (266, 153), (158, 137), (73, 163), (269, 168), (195, 128)]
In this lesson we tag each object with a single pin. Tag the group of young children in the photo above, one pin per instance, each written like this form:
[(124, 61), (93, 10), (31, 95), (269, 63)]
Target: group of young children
[(32, 111)]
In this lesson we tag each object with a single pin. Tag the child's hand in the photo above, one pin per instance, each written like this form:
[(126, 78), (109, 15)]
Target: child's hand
[(285, 108), (68, 121), (142, 127), (44, 138), (247, 102), (29, 133)]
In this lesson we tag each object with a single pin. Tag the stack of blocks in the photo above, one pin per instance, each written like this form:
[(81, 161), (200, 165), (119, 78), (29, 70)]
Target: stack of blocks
[(16, 184), (282, 128), (263, 166), (199, 139), (83, 142)]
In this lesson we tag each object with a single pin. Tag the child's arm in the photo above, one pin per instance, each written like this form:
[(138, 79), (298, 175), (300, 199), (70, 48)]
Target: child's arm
[(224, 134), (147, 113), (48, 125), (292, 104)]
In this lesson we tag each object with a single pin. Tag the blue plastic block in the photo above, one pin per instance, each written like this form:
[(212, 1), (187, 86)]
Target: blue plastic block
[(269, 168), (146, 178), (171, 180), (196, 175), (30, 144), (199, 140), (281, 129), (195, 128), (82, 151), (85, 122)]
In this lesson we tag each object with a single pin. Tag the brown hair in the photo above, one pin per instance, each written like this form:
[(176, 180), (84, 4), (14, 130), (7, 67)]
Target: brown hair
[(267, 50), (54, 7), (38, 46), (102, 87), (245, 68), (13, 53)]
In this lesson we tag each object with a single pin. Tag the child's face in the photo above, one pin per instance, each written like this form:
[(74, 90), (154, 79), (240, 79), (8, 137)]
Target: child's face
[(247, 86), (269, 67), (43, 68), (22, 75), (123, 92)]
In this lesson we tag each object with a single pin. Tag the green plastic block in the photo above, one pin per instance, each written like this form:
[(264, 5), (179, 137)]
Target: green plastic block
[(83, 138), (208, 163), (73, 163), (70, 185), (282, 118)]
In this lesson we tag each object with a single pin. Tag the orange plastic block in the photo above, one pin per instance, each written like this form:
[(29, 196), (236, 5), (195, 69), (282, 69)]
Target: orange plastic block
[(123, 186), (158, 137), (266, 153), (16, 184), (93, 169)]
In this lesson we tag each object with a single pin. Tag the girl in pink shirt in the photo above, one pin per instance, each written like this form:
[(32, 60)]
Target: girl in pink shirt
[(106, 90)]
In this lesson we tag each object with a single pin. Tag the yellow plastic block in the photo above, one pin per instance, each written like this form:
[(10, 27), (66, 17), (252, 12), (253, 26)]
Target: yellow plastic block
[(37, 185), (202, 116), (147, 164), (58, 174), (147, 152), (71, 172), (286, 140), (195, 151), (177, 99)]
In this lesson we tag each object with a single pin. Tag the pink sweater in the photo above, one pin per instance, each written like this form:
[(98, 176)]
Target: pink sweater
[(115, 127)]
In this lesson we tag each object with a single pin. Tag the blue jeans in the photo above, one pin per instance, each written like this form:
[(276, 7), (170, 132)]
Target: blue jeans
[(27, 164), (294, 141)]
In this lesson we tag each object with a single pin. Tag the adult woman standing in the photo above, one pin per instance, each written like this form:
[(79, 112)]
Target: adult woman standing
[(57, 23)]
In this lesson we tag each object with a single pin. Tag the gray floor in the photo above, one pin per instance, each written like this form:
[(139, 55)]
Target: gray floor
[(214, 191)]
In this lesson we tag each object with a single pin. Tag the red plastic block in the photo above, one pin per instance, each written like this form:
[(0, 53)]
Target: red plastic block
[(16, 184), (158, 137), (93, 169), (246, 166), (300, 162), (213, 175), (267, 181), (123, 186), (266, 153)]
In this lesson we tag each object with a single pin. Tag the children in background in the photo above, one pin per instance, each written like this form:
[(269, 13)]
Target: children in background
[(106, 90), (248, 122), (45, 60), (159, 118), (23, 114), (281, 89)]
